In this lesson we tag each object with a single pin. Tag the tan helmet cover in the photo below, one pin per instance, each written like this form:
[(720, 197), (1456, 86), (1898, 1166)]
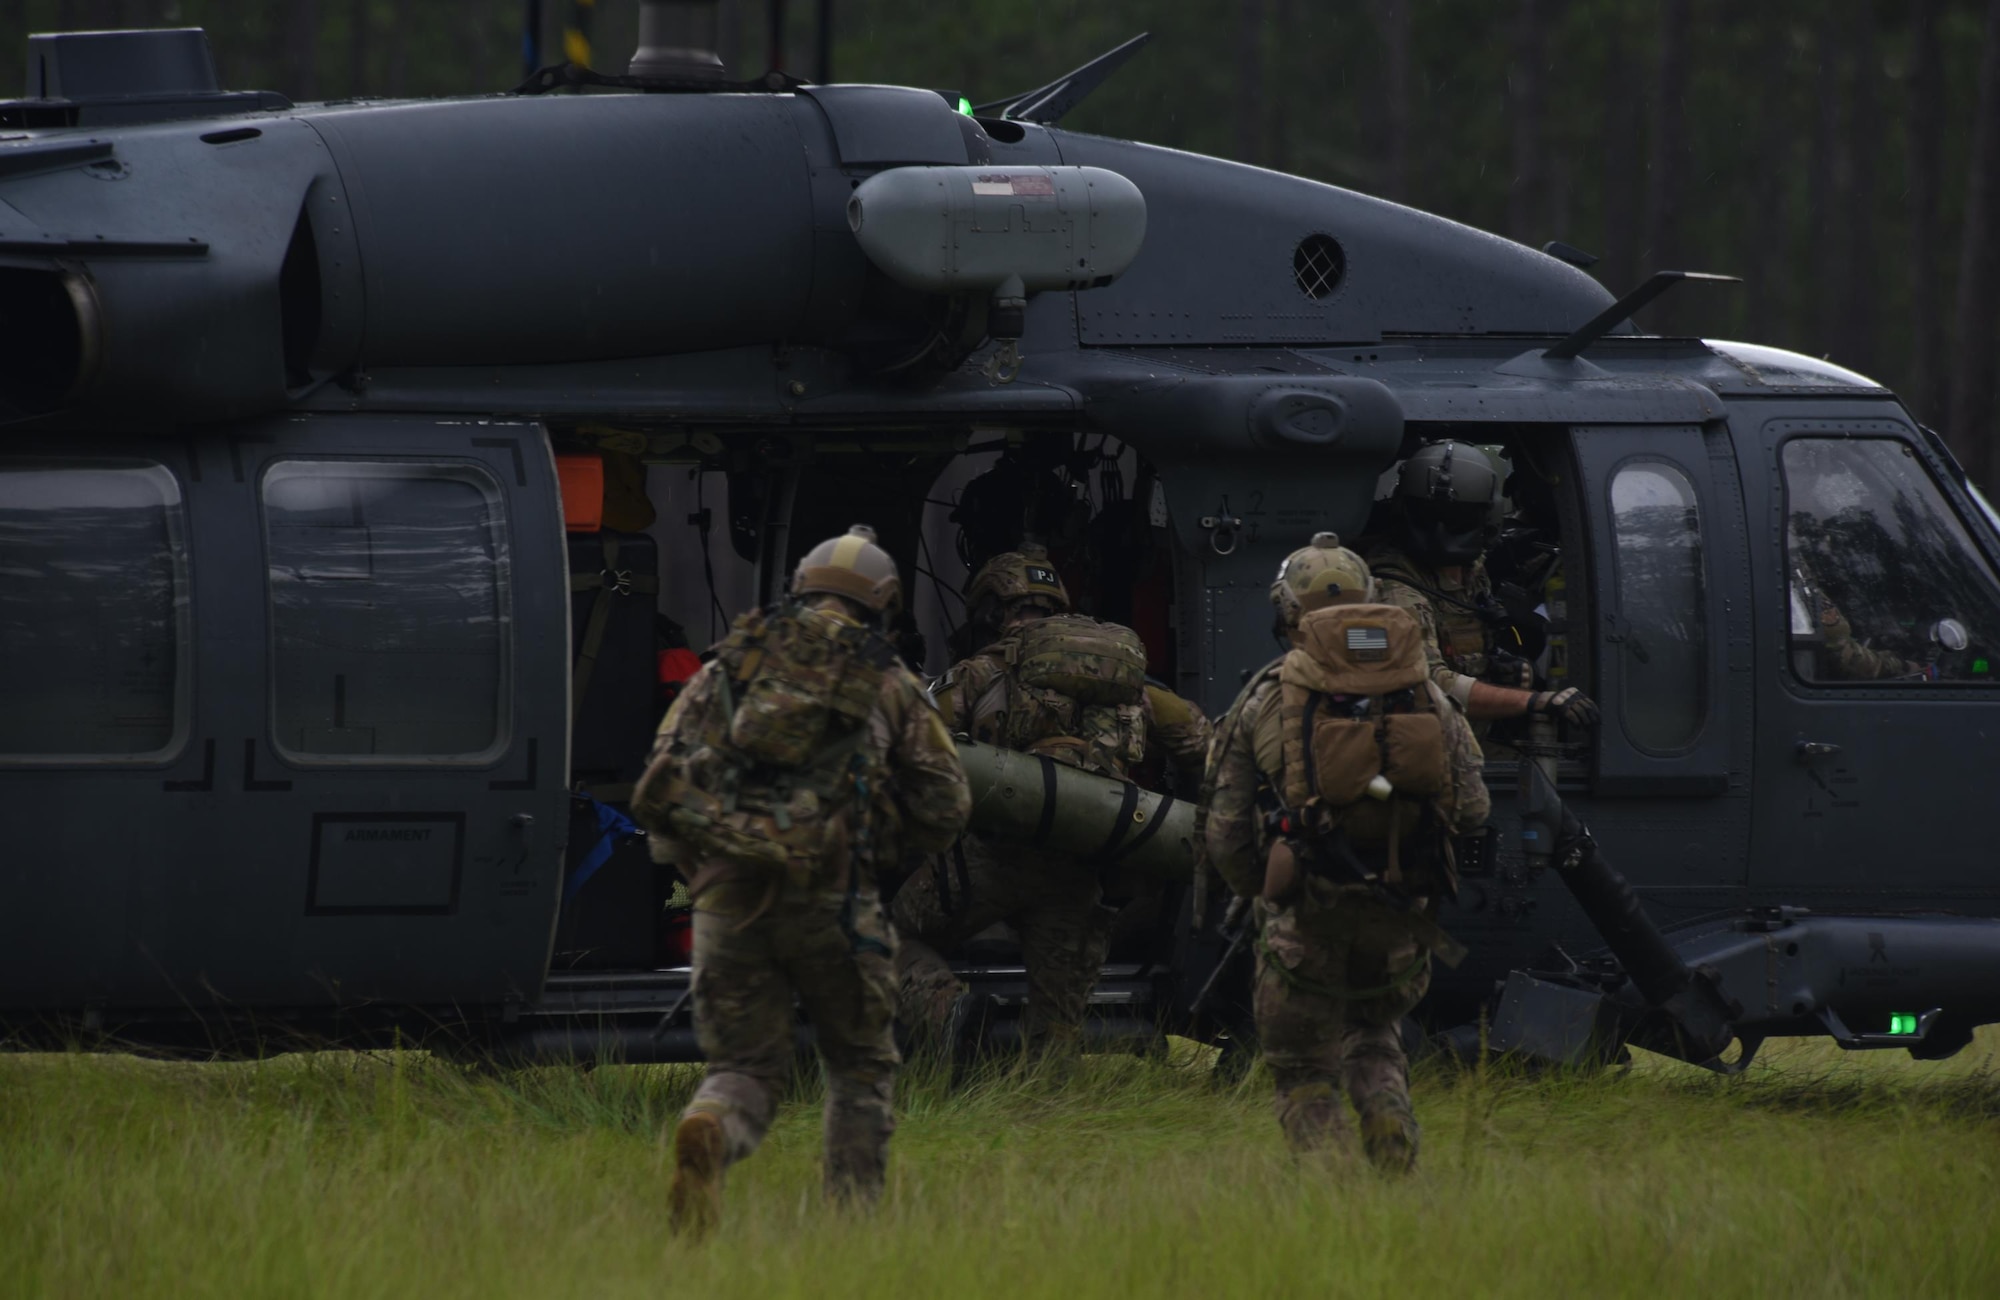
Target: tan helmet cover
[(1019, 575), (851, 565), (1319, 574)]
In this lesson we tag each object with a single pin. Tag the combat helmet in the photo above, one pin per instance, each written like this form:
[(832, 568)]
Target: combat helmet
[(1318, 574), (852, 565), (1442, 510), (1025, 574)]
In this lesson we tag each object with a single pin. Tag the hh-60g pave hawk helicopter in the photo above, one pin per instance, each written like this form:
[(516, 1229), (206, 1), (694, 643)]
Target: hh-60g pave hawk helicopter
[(299, 682)]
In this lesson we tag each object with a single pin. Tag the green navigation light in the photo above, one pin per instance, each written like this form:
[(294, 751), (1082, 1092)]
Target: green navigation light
[(965, 106), (1979, 666), (1902, 1022)]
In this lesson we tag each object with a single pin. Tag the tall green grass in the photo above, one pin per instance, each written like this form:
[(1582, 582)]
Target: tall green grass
[(1817, 1174)]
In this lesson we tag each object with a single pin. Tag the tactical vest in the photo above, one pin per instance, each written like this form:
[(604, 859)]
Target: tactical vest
[(1073, 689), (1366, 766), (1463, 636), (776, 771)]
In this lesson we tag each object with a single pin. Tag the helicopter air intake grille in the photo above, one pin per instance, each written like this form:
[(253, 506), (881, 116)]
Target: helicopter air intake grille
[(1317, 265)]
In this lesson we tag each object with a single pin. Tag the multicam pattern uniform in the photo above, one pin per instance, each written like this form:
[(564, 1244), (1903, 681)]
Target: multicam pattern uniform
[(761, 939), (1338, 967), (1843, 659), (1456, 640), (1054, 902)]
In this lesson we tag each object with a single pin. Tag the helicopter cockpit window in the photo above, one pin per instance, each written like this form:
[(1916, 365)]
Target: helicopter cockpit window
[(1885, 586), (389, 611), (1660, 632), (93, 612)]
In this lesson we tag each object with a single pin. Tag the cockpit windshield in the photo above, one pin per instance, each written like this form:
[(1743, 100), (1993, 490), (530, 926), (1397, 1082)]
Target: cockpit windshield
[(1886, 585)]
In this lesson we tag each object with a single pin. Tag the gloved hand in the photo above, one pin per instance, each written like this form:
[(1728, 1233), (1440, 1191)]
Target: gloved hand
[(1568, 704), (1503, 669), (1834, 629)]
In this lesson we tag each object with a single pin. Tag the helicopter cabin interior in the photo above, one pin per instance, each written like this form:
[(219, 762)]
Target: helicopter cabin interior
[(713, 536), (1624, 561)]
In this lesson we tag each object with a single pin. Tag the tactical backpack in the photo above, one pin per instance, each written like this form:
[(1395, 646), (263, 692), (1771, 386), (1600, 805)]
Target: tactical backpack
[(1075, 692), (775, 771), (1366, 764)]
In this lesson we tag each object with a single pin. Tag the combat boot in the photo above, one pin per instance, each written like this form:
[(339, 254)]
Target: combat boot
[(1309, 1115), (1389, 1136), (694, 1202), (1053, 1055)]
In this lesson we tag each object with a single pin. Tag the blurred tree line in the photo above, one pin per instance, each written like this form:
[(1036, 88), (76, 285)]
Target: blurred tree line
[(1843, 156)]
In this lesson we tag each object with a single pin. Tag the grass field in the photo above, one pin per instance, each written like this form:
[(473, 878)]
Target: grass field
[(1817, 1174)]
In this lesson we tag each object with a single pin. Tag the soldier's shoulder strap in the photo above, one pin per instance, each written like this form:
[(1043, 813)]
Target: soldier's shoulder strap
[(741, 648), (875, 650), (1232, 721), (985, 661), (908, 683), (1394, 572), (1263, 677), (1393, 565)]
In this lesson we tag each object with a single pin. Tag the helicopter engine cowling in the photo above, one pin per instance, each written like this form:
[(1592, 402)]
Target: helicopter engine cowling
[(972, 229), (215, 269)]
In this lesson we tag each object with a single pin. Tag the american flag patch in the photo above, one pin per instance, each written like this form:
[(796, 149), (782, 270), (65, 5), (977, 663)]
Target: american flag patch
[(1001, 185), (1366, 643)]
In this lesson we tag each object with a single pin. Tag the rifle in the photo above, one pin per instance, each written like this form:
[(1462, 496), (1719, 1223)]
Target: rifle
[(1235, 918)]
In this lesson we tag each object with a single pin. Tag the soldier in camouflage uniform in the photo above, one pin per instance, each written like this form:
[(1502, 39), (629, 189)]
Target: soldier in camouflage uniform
[(1432, 564), (1843, 659), (1339, 962), (809, 927), (1839, 657), (1056, 903)]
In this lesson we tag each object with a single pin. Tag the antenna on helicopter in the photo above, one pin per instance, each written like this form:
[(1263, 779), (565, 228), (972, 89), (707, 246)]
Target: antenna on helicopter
[(1602, 323), (1047, 104)]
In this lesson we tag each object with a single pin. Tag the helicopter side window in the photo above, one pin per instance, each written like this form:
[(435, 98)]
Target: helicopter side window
[(1885, 587), (93, 612), (1660, 632), (390, 624)]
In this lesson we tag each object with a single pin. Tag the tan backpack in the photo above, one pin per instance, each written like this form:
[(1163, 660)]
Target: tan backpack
[(1365, 756), (775, 771)]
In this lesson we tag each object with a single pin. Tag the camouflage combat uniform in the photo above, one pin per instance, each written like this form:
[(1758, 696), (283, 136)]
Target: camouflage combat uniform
[(1054, 902), (1338, 967), (1843, 659), (1457, 641), (762, 939)]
